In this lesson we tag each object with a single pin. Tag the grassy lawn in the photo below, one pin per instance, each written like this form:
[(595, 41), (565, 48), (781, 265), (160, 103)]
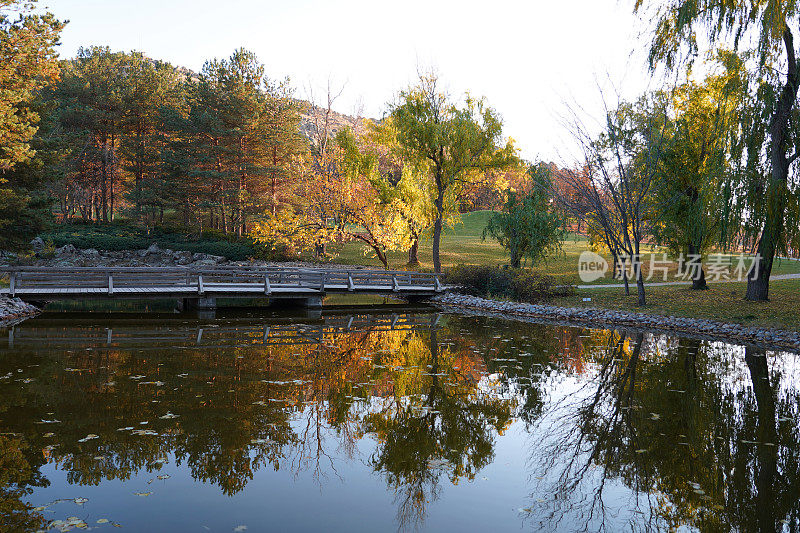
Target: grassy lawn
[(462, 244), (724, 302)]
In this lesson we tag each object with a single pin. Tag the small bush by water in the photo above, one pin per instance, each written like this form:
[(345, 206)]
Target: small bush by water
[(514, 283)]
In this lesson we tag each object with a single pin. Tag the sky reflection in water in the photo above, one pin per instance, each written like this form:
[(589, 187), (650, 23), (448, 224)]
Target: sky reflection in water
[(389, 421)]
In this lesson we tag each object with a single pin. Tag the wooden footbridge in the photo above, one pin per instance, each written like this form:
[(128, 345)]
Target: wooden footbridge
[(200, 287)]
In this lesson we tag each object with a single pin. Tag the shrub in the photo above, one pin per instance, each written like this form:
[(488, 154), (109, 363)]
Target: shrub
[(49, 250), (513, 283), (120, 236)]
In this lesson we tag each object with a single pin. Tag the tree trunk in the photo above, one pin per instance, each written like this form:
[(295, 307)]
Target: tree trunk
[(639, 282), (112, 173), (758, 277), (139, 172), (697, 273), (382, 257), (625, 279), (104, 179), (437, 228), (413, 253)]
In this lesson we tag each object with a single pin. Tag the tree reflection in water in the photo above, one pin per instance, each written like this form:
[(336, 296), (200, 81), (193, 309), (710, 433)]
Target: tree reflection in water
[(627, 430), (698, 432), (302, 403)]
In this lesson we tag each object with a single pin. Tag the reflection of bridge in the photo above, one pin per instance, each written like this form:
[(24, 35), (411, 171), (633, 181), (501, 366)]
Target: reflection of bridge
[(238, 333), (201, 287)]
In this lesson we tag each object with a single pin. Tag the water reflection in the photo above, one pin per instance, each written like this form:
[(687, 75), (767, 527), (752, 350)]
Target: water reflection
[(619, 430), (698, 433)]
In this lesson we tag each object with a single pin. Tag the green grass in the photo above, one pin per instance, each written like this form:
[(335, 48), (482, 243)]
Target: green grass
[(724, 302), (463, 244)]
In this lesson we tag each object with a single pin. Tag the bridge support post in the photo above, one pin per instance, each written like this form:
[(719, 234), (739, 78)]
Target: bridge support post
[(197, 304), (312, 302)]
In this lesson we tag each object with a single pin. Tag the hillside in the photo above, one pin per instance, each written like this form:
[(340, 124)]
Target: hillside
[(312, 119)]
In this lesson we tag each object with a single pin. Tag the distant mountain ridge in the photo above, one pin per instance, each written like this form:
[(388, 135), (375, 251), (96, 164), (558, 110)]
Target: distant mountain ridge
[(312, 115)]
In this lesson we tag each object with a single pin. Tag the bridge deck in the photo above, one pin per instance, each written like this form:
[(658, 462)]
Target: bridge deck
[(148, 282)]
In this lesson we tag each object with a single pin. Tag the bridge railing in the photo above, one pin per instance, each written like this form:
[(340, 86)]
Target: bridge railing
[(160, 277)]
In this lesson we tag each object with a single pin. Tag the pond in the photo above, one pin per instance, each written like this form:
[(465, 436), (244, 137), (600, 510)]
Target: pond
[(389, 420)]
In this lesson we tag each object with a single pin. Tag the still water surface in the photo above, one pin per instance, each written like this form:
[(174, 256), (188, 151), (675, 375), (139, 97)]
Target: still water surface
[(389, 421)]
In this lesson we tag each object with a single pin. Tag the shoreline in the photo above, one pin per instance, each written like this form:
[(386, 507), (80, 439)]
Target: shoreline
[(14, 311), (592, 317)]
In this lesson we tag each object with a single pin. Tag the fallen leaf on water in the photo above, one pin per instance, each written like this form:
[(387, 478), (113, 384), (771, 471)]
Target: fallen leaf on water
[(142, 493), (102, 520)]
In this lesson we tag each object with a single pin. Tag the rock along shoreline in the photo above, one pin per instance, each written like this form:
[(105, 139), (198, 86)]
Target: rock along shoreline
[(593, 317), (14, 310)]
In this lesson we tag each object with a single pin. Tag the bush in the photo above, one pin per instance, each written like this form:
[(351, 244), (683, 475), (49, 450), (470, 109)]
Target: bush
[(514, 283), (120, 236)]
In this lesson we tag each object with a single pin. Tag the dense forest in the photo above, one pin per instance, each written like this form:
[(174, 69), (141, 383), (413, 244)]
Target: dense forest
[(704, 164)]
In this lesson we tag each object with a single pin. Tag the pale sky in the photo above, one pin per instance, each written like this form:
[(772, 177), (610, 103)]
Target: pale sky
[(528, 58)]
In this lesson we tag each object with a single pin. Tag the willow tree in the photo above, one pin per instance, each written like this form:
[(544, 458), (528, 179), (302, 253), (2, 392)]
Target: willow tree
[(403, 185), (694, 192), (448, 142), (767, 28)]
